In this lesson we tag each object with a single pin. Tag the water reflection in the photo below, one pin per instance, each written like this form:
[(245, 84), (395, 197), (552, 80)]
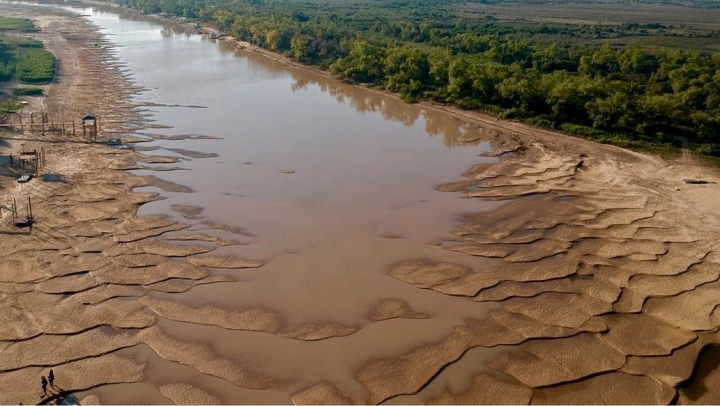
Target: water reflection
[(169, 28), (455, 132), (167, 33), (362, 100)]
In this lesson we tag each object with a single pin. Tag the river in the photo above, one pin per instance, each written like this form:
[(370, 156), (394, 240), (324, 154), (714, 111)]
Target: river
[(329, 183)]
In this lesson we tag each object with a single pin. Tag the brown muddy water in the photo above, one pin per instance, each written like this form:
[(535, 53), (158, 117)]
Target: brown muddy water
[(330, 184)]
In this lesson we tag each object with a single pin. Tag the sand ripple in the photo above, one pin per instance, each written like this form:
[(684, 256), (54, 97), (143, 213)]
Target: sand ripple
[(616, 292)]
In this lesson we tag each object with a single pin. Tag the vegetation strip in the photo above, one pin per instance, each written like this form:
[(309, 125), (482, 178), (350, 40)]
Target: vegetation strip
[(23, 60)]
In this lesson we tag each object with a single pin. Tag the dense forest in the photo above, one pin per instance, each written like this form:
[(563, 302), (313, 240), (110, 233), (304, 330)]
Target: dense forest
[(434, 50)]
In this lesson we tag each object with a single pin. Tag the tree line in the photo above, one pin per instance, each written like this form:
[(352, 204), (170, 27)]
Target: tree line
[(425, 50)]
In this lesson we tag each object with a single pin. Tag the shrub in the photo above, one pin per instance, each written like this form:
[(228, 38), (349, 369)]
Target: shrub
[(709, 149), (28, 91), (580, 130), (10, 23)]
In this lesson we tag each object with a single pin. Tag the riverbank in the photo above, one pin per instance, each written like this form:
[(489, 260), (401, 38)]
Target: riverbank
[(601, 265)]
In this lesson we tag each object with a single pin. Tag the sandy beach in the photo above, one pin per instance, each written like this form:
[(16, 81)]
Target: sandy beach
[(601, 269)]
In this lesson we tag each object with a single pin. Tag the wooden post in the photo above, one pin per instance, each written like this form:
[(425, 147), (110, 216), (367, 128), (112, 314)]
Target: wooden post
[(32, 122), (30, 215), (14, 210), (73, 123)]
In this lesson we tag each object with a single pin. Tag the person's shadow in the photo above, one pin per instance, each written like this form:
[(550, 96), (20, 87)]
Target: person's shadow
[(58, 396)]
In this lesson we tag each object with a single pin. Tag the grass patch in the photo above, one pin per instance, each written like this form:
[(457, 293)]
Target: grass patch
[(593, 14), (13, 42), (34, 65), (8, 106), (27, 91), (26, 61), (16, 24), (703, 44)]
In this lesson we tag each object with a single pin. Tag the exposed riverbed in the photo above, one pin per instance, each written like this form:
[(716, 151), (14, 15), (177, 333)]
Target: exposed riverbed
[(303, 240)]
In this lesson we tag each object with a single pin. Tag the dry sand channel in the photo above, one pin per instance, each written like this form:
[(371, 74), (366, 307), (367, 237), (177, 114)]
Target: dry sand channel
[(286, 240)]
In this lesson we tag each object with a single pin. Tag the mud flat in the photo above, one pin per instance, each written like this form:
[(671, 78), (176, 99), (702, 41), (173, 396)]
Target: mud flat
[(596, 280)]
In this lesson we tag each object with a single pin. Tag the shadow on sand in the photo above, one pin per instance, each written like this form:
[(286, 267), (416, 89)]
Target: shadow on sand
[(58, 396)]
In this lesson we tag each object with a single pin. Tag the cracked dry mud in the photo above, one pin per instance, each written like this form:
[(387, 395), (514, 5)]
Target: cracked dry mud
[(604, 277)]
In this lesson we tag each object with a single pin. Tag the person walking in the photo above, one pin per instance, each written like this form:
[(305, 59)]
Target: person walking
[(51, 378), (44, 383)]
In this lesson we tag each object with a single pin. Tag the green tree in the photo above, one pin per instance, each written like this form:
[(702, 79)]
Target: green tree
[(365, 63), (602, 62), (406, 70), (609, 112), (300, 47)]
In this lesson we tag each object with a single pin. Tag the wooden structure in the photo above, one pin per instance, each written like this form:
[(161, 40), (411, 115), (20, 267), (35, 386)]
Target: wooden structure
[(29, 161), (19, 221), (89, 127), (43, 123), (25, 161), (34, 123)]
